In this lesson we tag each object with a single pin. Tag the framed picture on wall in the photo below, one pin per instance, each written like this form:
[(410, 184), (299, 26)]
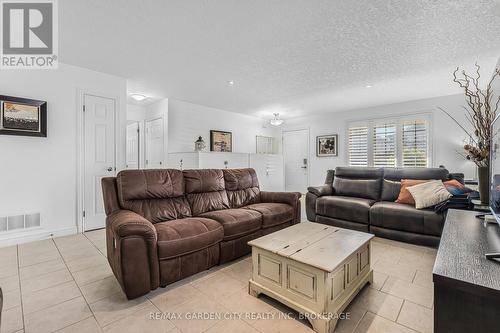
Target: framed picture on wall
[(22, 116), (327, 145), (221, 141)]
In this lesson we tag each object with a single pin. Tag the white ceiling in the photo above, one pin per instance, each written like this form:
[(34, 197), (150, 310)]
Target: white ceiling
[(291, 56)]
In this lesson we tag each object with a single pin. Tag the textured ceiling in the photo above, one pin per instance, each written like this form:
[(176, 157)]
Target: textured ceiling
[(297, 57)]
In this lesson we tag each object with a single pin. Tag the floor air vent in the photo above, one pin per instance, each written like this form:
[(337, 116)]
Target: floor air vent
[(19, 222)]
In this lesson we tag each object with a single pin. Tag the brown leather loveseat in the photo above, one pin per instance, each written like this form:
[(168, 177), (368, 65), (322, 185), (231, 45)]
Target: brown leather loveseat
[(164, 225)]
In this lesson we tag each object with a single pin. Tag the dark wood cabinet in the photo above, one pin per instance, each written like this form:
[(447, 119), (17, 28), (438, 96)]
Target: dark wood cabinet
[(466, 284)]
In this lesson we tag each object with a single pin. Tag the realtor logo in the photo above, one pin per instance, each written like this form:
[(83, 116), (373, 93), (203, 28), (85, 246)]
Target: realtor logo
[(29, 34)]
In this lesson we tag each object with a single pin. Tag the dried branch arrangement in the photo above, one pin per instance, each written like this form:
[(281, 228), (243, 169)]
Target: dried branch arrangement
[(480, 112)]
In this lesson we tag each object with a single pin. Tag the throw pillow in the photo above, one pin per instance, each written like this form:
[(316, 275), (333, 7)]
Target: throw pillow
[(456, 188), (405, 196), (429, 194)]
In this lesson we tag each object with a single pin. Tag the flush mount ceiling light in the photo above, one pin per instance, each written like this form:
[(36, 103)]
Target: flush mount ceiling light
[(231, 83), (138, 97), (276, 121), (368, 86)]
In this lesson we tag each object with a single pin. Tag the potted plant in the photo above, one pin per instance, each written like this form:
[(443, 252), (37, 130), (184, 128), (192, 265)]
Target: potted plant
[(480, 112)]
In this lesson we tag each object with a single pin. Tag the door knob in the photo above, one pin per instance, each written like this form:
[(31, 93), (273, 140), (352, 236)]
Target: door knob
[(110, 169)]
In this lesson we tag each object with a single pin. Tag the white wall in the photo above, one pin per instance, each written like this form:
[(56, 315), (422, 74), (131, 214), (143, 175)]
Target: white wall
[(447, 137), (136, 112), (187, 121), (40, 174)]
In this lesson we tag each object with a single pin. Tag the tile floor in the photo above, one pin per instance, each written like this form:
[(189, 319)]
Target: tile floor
[(65, 285)]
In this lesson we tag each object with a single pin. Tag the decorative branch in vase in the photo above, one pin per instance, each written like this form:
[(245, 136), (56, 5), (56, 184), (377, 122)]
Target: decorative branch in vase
[(480, 112)]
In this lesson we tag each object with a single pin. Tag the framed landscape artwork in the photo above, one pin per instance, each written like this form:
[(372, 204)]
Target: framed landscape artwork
[(327, 145), (22, 116), (221, 141)]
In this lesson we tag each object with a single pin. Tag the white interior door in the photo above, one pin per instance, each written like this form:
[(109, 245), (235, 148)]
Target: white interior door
[(133, 147), (99, 156), (296, 159), (154, 143)]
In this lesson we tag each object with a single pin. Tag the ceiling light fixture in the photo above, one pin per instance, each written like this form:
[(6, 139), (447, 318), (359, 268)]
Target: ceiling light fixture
[(276, 121), (368, 86), (138, 97), (231, 83)]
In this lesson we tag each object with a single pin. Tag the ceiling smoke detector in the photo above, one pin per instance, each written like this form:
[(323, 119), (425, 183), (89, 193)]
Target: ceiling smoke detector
[(276, 121), (138, 97)]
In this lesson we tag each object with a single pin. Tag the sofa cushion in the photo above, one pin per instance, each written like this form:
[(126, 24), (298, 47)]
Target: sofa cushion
[(390, 190), (242, 187), (392, 215), (345, 208), (180, 237), (157, 195), (273, 213), (205, 190), (358, 182), (236, 222)]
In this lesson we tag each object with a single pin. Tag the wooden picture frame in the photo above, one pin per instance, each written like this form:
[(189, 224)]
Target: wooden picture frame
[(327, 145), (23, 116), (221, 141)]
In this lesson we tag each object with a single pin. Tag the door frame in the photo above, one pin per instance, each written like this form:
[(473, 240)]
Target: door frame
[(80, 144), (139, 142), (296, 129)]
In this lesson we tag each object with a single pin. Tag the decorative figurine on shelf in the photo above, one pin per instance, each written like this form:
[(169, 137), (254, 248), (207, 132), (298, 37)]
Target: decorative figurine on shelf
[(199, 145)]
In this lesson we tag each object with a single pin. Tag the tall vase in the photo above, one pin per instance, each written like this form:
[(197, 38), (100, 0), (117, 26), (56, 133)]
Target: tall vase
[(484, 184)]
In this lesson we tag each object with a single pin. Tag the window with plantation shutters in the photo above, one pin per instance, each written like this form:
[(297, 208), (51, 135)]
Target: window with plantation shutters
[(358, 146), (414, 143), (390, 142), (384, 145)]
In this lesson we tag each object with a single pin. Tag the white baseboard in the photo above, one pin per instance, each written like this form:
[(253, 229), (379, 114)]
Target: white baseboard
[(35, 234)]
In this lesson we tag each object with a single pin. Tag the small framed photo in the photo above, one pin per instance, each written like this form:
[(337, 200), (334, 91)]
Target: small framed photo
[(22, 116), (327, 145), (221, 141)]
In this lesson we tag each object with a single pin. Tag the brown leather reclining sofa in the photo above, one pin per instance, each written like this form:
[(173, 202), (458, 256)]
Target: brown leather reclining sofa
[(164, 225)]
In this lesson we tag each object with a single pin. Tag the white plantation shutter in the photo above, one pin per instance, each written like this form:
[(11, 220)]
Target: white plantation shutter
[(384, 145), (415, 143), (358, 146), (390, 142)]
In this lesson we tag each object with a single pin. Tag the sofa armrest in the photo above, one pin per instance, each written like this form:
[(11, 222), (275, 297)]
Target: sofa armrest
[(290, 198), (315, 192), (126, 223), (320, 191), (132, 252)]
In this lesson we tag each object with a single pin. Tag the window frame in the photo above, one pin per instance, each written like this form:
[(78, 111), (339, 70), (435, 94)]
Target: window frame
[(398, 120)]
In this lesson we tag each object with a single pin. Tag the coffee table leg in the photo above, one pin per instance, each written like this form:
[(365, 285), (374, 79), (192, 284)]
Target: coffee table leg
[(252, 290), (370, 277), (323, 325)]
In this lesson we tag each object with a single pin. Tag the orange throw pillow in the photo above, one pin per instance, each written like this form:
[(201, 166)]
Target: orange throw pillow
[(405, 195)]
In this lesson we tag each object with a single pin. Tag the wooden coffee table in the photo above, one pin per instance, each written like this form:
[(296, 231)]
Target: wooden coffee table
[(313, 268)]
